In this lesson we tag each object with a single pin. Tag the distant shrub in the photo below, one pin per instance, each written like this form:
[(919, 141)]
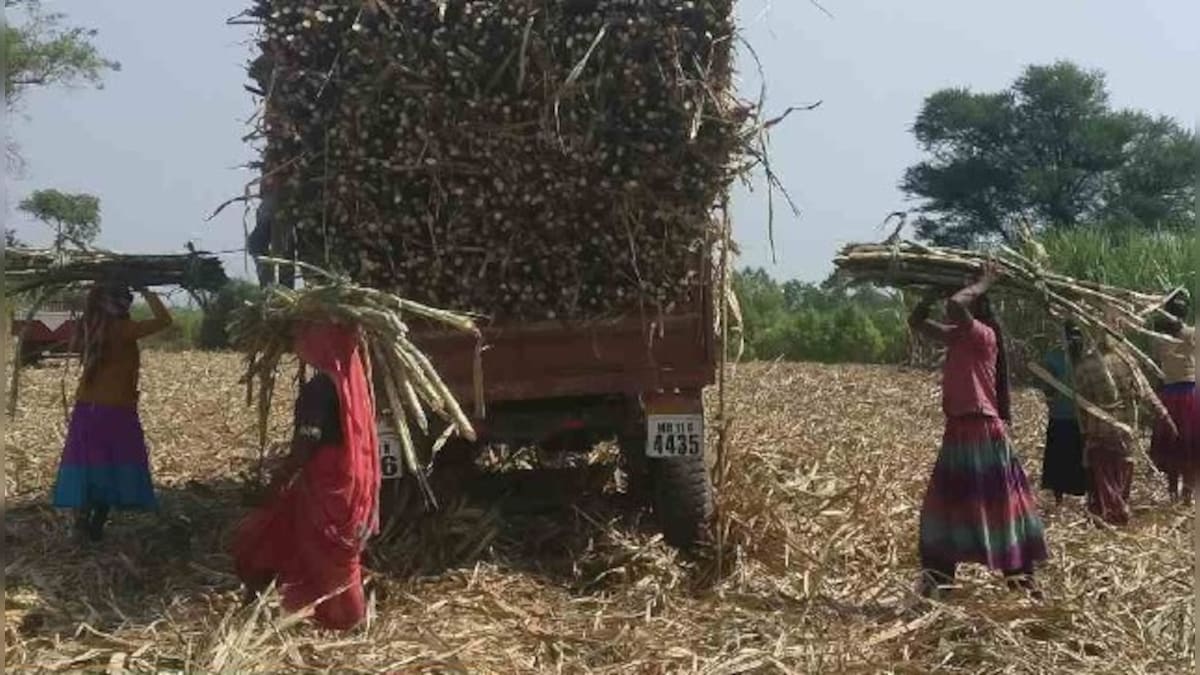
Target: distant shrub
[(827, 323), (214, 328), (182, 333)]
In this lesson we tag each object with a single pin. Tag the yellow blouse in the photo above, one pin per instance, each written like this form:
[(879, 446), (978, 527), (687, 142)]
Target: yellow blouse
[(115, 382)]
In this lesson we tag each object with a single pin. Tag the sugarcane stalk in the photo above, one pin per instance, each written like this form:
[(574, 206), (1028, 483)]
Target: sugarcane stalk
[(399, 379), (425, 387), (456, 414), (410, 382), (411, 462), (414, 404), (1084, 404), (30, 269), (907, 264), (1080, 314), (570, 139)]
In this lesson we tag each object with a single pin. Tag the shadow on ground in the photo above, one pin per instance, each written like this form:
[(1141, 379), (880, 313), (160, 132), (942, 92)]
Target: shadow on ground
[(568, 527)]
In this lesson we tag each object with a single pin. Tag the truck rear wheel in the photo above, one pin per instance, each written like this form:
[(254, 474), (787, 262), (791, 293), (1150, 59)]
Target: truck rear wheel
[(31, 354), (401, 499), (682, 496), (680, 488)]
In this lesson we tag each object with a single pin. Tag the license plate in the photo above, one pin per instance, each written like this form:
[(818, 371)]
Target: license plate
[(674, 436), (389, 454)]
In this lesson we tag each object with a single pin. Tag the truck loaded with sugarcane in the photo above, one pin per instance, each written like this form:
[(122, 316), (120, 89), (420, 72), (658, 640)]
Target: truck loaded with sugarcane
[(555, 169)]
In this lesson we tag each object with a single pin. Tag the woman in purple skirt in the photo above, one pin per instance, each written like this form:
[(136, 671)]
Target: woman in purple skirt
[(1178, 454), (978, 507), (104, 465)]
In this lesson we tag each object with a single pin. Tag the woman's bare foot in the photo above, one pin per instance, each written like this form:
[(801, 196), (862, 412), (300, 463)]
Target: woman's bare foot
[(1025, 582)]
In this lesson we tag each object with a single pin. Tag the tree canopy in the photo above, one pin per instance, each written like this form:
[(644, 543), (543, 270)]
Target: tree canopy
[(75, 218), (829, 322), (41, 50), (1049, 150)]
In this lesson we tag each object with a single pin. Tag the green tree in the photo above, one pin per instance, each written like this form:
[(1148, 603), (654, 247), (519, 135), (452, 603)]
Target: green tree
[(830, 322), (41, 50), (1051, 150), (75, 218), (801, 295), (1154, 185), (214, 328), (855, 336), (762, 304)]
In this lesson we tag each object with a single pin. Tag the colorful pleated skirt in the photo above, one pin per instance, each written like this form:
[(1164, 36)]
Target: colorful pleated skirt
[(1178, 455), (978, 507), (104, 462), (1111, 469)]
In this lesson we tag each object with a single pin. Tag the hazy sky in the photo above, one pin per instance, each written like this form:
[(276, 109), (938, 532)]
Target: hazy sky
[(161, 142)]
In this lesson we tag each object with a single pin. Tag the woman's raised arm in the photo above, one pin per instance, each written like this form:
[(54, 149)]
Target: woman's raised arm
[(160, 320)]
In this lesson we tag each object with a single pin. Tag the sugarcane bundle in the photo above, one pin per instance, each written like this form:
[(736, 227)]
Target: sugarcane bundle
[(528, 159), (29, 269), (1098, 308), (410, 385)]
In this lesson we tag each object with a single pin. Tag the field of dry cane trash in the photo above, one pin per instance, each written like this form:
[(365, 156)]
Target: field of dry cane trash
[(819, 511)]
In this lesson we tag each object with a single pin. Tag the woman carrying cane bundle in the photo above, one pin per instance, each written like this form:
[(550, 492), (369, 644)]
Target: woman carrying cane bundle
[(978, 507), (1062, 462), (104, 464), (1116, 385), (310, 537), (1178, 454)]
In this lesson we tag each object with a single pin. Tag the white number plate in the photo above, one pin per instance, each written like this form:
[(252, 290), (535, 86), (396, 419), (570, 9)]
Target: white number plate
[(389, 454), (674, 435)]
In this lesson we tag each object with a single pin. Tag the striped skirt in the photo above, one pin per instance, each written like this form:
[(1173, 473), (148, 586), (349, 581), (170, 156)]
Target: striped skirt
[(104, 462), (978, 507), (1111, 482), (1178, 455)]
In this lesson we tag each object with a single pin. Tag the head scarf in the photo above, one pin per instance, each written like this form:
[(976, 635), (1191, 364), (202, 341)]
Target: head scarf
[(106, 304), (1179, 305), (1073, 337), (335, 350)]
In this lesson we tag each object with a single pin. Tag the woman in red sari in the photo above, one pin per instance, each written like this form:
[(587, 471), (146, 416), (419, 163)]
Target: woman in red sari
[(310, 537)]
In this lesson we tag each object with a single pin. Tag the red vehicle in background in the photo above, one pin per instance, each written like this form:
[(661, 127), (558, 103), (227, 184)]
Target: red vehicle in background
[(51, 330)]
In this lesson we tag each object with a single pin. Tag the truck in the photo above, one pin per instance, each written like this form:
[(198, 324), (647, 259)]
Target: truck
[(49, 331), (554, 166), (636, 380)]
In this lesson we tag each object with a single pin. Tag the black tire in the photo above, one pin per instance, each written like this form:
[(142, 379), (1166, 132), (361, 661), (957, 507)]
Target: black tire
[(680, 491), (31, 355), (453, 470), (682, 494)]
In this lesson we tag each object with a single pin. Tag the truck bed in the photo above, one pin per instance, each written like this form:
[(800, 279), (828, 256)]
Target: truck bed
[(555, 359)]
